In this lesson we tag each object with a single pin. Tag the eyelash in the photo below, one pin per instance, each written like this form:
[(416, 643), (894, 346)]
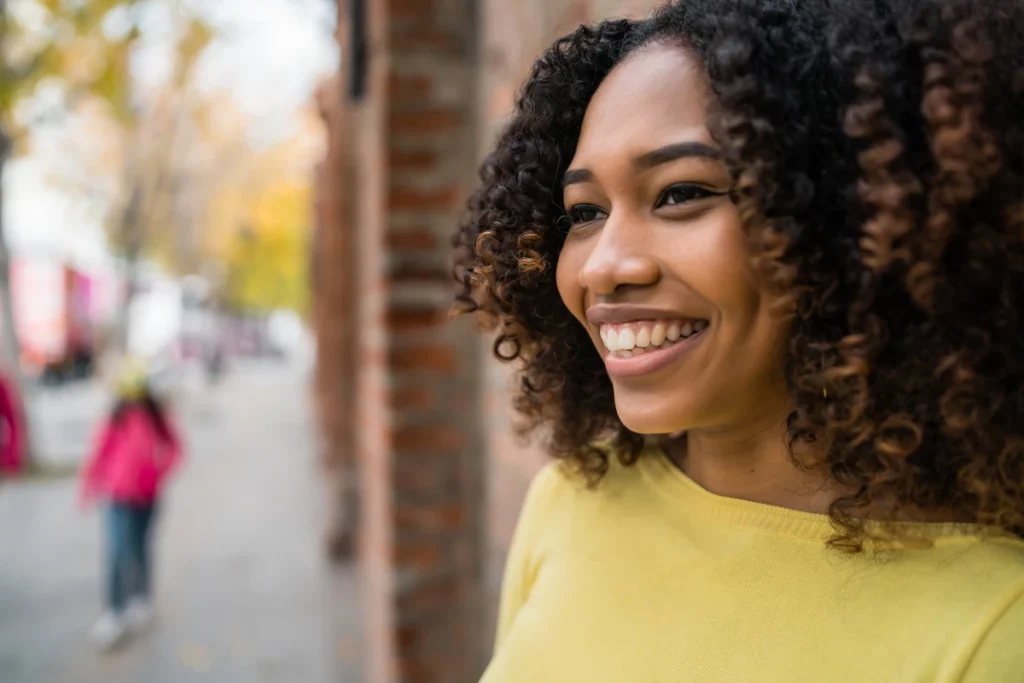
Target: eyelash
[(581, 214), (576, 212), (693, 191)]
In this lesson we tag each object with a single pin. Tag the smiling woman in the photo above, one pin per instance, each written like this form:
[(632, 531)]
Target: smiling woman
[(653, 239), (761, 263)]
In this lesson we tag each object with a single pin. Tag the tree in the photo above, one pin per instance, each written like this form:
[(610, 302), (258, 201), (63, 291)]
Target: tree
[(42, 41), (159, 129), (258, 215), (267, 260)]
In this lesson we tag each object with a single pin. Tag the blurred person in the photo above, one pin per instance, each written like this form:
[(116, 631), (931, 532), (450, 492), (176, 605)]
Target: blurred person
[(215, 361), (136, 450), (12, 427), (762, 264)]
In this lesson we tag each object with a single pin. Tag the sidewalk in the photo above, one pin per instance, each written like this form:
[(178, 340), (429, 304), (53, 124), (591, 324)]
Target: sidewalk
[(242, 591)]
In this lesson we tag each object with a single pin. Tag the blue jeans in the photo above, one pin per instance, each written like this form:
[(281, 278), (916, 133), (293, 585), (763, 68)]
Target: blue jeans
[(128, 557)]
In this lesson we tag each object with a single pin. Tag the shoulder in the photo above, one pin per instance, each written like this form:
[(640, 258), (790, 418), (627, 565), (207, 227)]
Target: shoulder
[(561, 481), (991, 651), (550, 488), (971, 590), (982, 566), (560, 496)]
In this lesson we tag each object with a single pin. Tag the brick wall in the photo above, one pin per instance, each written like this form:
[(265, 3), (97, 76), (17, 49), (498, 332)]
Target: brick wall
[(441, 476), (417, 409), (373, 410), (436, 449), (333, 311)]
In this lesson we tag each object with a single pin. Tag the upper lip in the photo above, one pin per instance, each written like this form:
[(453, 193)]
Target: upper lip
[(624, 313)]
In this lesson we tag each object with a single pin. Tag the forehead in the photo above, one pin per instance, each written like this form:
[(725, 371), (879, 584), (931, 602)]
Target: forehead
[(657, 96)]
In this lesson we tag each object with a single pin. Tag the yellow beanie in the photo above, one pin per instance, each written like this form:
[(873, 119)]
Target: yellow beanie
[(132, 380)]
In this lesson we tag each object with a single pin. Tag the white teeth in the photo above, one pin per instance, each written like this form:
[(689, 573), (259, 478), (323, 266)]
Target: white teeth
[(643, 338), (611, 340), (627, 340), (658, 335)]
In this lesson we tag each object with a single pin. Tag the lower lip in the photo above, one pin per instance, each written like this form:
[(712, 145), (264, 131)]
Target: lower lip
[(650, 361)]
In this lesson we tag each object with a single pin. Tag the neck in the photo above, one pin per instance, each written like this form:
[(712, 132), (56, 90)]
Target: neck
[(752, 462)]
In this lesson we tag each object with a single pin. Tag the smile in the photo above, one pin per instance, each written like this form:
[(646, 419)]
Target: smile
[(643, 346)]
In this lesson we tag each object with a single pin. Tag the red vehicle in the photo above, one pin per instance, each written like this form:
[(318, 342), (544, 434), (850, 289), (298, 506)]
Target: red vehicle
[(56, 311)]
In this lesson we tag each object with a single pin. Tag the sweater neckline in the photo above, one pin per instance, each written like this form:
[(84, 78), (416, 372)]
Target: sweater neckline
[(696, 502)]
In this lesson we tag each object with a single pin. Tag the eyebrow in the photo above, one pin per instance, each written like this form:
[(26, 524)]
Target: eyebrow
[(662, 155), (577, 175), (679, 150)]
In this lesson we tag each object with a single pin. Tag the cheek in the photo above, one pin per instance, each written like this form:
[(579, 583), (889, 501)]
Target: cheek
[(570, 261), (730, 280), (734, 274), (714, 260)]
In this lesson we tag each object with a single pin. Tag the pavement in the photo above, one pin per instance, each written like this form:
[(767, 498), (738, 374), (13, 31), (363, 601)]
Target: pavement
[(243, 592)]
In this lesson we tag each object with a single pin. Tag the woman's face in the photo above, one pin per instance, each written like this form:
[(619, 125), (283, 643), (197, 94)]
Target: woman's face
[(656, 266)]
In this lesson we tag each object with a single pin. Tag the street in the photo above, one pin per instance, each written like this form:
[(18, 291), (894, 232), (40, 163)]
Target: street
[(243, 593)]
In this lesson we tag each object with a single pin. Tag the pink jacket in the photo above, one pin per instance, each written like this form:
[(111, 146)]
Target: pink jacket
[(12, 428), (130, 460)]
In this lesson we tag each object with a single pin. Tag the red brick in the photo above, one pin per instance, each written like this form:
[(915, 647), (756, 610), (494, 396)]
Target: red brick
[(411, 160), (438, 43), (416, 667), (409, 319), (411, 9), (409, 87), (418, 481), (412, 240), (428, 440), (462, 554), (417, 555), (425, 121), (427, 357), (415, 670), (412, 398), (419, 273), (372, 356), (432, 518), (409, 199), (407, 637), (436, 596)]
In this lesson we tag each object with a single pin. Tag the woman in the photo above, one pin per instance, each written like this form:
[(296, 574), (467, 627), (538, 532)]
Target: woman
[(761, 262), (12, 428), (135, 452)]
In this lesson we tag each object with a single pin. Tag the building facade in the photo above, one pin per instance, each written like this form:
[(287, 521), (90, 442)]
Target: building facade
[(414, 410)]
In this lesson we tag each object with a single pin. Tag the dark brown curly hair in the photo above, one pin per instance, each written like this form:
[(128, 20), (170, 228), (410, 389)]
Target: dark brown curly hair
[(877, 153)]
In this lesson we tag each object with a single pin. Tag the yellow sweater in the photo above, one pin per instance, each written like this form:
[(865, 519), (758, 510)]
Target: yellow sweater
[(649, 578)]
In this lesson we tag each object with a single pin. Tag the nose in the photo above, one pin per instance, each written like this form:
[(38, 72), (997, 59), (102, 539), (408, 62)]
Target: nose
[(619, 261)]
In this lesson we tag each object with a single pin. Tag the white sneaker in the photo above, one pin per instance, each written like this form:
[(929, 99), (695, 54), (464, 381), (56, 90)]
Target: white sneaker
[(108, 631), (139, 614)]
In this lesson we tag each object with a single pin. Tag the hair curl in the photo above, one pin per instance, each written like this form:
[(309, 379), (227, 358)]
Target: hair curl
[(877, 153)]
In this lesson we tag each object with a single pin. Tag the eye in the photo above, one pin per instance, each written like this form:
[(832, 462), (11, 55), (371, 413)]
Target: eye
[(585, 213), (683, 193)]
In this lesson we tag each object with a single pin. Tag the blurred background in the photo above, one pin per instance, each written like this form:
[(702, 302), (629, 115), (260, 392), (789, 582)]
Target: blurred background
[(256, 197)]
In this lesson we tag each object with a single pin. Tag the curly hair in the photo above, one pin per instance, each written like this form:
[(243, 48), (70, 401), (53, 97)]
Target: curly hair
[(877, 153)]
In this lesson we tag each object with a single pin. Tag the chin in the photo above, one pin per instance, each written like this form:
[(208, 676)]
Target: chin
[(653, 417)]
